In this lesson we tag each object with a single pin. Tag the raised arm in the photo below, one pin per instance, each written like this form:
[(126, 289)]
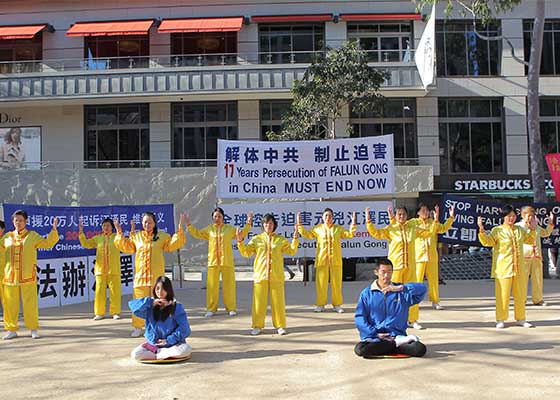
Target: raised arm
[(546, 232), (307, 234), (51, 239), (245, 250), (85, 242), (140, 307), (291, 248), (442, 228), (122, 243), (347, 234), (378, 233), (485, 239)]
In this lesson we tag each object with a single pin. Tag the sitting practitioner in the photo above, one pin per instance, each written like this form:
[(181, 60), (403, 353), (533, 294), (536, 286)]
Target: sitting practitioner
[(167, 325), (382, 314)]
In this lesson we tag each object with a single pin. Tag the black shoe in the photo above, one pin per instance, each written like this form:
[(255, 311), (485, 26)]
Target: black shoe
[(442, 282)]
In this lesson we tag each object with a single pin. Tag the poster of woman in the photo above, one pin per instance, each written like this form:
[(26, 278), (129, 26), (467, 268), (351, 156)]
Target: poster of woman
[(20, 147)]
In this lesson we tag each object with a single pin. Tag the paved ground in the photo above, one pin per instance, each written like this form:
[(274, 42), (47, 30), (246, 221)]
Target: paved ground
[(467, 358)]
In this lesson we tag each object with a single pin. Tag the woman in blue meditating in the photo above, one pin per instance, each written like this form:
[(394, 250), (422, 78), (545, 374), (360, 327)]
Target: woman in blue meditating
[(167, 326)]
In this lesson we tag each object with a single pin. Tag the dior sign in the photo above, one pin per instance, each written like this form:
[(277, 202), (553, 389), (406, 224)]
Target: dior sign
[(6, 118)]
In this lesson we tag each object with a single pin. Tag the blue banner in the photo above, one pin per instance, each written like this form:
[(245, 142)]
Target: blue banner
[(467, 210), (42, 217)]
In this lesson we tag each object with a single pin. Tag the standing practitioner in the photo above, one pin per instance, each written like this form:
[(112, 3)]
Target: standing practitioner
[(107, 269), (220, 260), (268, 249), (507, 242), (533, 253), (328, 258), (20, 273), (148, 245), (2, 261)]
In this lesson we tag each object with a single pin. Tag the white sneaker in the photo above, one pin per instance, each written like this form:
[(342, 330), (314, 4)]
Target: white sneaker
[(282, 331), (542, 304), (10, 335), (416, 325), (438, 306), (232, 313), (255, 331), (98, 318), (338, 309), (319, 309), (500, 325), (525, 324), (35, 334), (137, 332), (209, 314), (400, 340), (116, 316)]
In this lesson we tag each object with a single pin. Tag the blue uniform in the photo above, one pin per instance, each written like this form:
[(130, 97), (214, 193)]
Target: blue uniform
[(377, 312), (175, 329)]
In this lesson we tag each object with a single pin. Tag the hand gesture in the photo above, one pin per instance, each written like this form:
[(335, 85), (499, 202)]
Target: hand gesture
[(81, 225), (452, 211), (392, 288), (367, 215), (480, 224), (239, 234), (390, 212), (436, 213), (118, 226), (181, 220), (55, 223), (132, 226), (296, 233), (551, 219), (161, 302), (187, 219), (533, 222), (298, 218), (353, 218), (250, 218), (161, 342)]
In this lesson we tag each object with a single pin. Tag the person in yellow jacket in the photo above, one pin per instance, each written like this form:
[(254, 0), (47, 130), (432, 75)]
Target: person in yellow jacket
[(107, 269), (2, 261), (401, 237), (148, 245), (20, 273), (507, 242), (533, 254), (268, 272), (328, 258), (425, 250), (220, 260)]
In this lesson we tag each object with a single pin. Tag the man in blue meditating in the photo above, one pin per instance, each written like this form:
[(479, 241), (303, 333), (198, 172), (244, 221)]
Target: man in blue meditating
[(382, 315)]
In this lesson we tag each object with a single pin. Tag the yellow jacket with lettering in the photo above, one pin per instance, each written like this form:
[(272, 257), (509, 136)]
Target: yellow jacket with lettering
[(329, 251), (534, 250), (268, 251), (220, 252), (149, 260), (507, 243), (107, 256), (425, 250), (401, 239), (21, 255)]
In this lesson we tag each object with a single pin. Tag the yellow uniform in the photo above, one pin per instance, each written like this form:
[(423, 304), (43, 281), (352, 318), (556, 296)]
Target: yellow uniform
[(2, 266), (220, 261), (328, 260), (107, 272), (149, 260), (508, 267), (20, 276), (534, 262), (268, 275)]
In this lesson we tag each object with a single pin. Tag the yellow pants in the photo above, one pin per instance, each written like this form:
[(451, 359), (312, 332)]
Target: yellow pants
[(421, 269), (114, 284), (30, 306), (138, 293), (277, 303), (213, 288), (401, 275), (322, 274), (503, 289), (534, 267)]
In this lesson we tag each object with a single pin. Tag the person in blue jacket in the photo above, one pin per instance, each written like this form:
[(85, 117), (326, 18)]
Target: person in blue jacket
[(167, 326), (382, 314)]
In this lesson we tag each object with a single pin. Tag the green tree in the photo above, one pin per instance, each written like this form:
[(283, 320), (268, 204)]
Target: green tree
[(335, 79), (485, 11)]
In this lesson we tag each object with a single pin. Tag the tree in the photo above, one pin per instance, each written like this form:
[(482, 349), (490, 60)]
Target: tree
[(335, 79), (485, 11)]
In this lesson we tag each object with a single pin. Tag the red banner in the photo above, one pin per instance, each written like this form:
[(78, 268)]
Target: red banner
[(553, 162)]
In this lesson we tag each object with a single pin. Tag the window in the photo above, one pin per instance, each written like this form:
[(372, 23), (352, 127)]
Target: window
[(550, 61), (394, 116), (109, 52), (197, 128), (117, 133), (460, 52), (271, 115), (24, 50), (384, 42), (550, 125), (285, 44), (208, 48), (470, 136)]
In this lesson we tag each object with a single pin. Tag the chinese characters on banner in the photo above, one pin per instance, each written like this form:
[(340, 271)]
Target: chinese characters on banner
[(306, 169), (362, 245), (465, 228)]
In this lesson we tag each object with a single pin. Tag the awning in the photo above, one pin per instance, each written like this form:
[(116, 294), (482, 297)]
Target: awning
[(293, 18), (379, 17), (20, 32), (112, 28), (201, 25)]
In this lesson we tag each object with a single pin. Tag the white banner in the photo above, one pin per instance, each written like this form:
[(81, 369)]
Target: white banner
[(362, 245), (306, 169), (425, 56)]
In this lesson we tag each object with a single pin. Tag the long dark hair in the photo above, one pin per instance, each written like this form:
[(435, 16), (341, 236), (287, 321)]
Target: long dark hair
[(153, 217), (162, 313)]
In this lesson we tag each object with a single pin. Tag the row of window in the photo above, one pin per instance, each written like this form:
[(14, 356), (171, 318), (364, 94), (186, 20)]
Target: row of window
[(471, 131), (462, 50)]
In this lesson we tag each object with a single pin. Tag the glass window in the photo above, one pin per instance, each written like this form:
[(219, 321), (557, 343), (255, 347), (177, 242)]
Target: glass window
[(285, 44), (272, 112), (24, 50), (110, 52), (550, 60), (206, 48), (470, 135), (385, 42), (550, 124), (460, 52)]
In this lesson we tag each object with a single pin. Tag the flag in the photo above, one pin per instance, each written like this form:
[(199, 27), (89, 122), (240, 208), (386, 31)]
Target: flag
[(553, 162), (425, 56)]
